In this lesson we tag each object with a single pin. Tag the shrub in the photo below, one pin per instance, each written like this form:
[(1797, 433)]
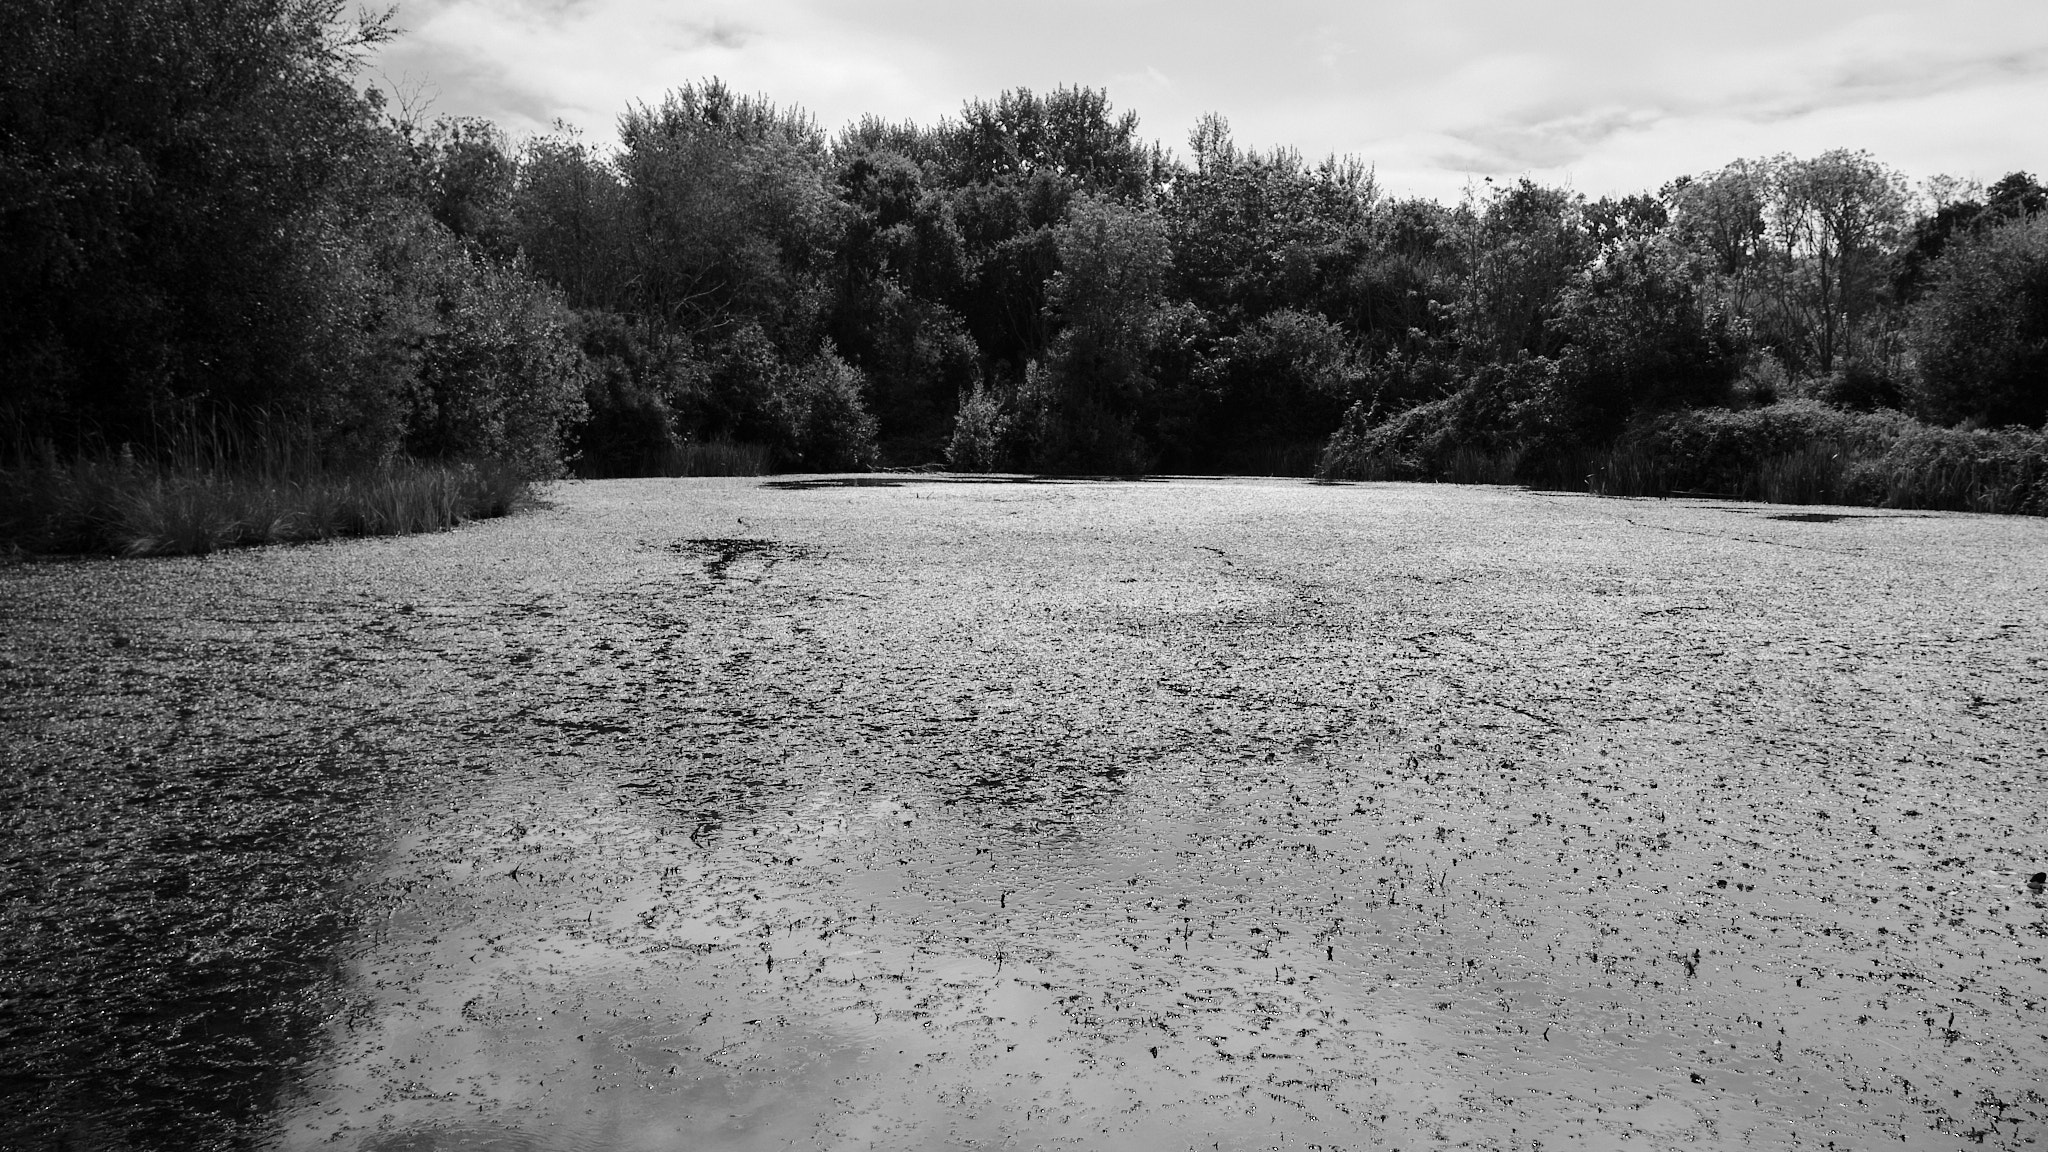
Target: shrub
[(1803, 451), (978, 433), (1763, 381), (1862, 387), (1500, 412), (110, 503), (829, 427), (1063, 432), (641, 374), (718, 458), (502, 378), (1980, 335), (2005, 470)]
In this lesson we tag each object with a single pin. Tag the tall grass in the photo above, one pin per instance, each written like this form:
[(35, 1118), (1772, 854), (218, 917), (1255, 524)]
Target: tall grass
[(689, 458), (1295, 458), (718, 458), (1793, 452), (1801, 452), (205, 487)]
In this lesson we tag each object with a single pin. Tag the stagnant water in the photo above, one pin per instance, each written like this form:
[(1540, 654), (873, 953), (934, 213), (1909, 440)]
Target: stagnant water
[(939, 814)]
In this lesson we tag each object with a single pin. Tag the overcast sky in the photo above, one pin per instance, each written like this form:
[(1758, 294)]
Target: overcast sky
[(1603, 95)]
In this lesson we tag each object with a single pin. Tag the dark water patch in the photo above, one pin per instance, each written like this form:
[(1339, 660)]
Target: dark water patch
[(1832, 517), (699, 797), (1826, 517), (181, 816), (904, 479), (844, 482), (166, 935), (721, 554)]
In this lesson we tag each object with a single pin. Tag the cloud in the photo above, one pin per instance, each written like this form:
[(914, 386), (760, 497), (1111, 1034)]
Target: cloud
[(1499, 149), (1615, 94), (1528, 122), (724, 35)]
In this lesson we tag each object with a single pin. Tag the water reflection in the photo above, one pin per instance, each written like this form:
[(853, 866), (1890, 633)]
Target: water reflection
[(1303, 953), (172, 981), (992, 819)]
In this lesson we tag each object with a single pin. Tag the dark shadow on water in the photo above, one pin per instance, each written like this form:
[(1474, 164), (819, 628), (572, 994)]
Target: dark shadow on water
[(904, 479), (704, 797), (846, 482), (1827, 517), (456, 1140), (1058, 793), (720, 554), (164, 975)]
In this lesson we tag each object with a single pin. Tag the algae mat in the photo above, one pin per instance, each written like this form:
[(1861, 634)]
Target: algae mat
[(936, 812)]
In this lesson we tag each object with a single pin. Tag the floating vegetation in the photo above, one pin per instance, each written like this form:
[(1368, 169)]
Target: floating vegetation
[(1254, 812)]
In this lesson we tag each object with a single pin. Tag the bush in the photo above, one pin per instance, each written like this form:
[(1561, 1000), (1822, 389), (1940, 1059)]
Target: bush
[(1062, 432), (1862, 387), (1980, 335), (641, 374), (113, 504), (829, 428), (1806, 452), (979, 431), (1975, 471), (502, 378), (1500, 413), (1763, 382), (1791, 452)]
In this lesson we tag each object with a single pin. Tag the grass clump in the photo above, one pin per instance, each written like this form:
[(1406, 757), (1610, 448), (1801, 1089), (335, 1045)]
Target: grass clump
[(1805, 452), (717, 458), (1799, 451), (114, 503)]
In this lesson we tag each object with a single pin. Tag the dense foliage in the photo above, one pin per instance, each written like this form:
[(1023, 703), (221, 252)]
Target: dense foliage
[(202, 214)]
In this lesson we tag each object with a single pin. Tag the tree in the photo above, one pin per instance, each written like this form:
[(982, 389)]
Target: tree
[(1797, 248), (467, 177), (1256, 231), (160, 161), (731, 219), (1720, 216), (903, 256), (1959, 209), (1980, 332), (1527, 242), (1641, 337), (1108, 297), (1836, 214), (1007, 170), (1069, 140)]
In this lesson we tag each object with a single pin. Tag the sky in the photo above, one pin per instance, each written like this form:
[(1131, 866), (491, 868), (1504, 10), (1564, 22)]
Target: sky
[(1604, 96)]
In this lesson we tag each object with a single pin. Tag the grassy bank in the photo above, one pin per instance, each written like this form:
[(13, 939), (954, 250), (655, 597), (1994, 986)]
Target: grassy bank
[(690, 458), (1793, 452), (1802, 452), (116, 504)]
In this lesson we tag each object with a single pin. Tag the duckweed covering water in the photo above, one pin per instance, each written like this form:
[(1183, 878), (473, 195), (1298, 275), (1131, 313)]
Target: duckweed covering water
[(948, 814)]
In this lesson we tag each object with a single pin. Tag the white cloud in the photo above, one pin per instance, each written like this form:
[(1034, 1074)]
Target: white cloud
[(1612, 95)]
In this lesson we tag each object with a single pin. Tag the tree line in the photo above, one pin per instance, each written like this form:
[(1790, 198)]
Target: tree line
[(203, 212)]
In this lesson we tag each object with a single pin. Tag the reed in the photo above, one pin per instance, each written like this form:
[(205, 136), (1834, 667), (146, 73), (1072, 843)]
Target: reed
[(718, 458), (204, 489)]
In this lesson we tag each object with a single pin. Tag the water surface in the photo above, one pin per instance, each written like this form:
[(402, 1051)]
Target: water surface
[(1197, 814)]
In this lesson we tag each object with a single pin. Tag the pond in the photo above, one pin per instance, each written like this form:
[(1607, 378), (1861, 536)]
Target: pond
[(941, 813)]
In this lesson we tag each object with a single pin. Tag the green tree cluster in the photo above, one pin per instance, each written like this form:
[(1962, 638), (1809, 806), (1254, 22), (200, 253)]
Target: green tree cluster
[(202, 217), (201, 211)]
